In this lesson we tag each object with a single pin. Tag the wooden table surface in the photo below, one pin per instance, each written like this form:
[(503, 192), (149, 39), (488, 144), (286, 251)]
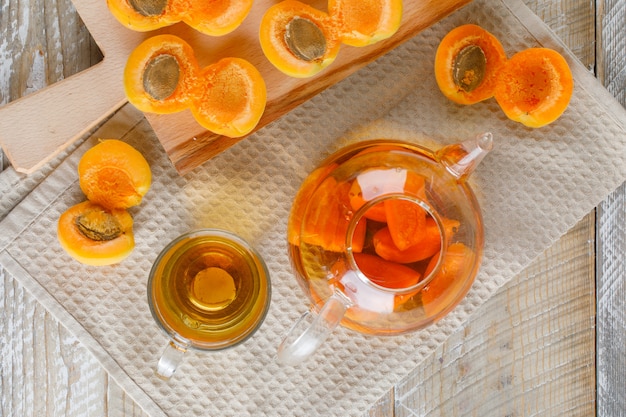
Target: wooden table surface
[(551, 342)]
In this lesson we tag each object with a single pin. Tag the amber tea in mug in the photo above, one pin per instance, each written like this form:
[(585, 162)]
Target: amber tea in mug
[(208, 290)]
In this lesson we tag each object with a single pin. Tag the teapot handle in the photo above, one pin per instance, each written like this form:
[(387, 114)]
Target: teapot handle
[(311, 330)]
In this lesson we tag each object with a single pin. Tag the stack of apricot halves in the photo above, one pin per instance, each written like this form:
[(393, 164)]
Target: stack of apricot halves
[(301, 40), (533, 87), (99, 231)]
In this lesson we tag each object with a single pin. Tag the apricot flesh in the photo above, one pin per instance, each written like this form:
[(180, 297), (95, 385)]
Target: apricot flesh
[(114, 175), (535, 87), (94, 235), (467, 64)]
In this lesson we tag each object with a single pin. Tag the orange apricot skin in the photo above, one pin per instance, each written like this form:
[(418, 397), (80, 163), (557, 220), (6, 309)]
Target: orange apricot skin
[(129, 17), (231, 98), (385, 273), (216, 18), (272, 38), (135, 67), (114, 174), (450, 46), (535, 87), (92, 252), (427, 243), (366, 22)]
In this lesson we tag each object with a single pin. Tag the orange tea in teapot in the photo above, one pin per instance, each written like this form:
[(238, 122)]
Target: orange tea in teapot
[(387, 235)]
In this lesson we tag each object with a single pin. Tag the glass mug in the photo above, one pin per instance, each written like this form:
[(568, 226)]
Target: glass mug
[(207, 290)]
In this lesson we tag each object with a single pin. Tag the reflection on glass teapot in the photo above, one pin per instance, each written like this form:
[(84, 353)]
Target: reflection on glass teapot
[(385, 237)]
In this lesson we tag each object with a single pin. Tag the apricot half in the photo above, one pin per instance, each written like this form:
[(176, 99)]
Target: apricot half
[(467, 64), (227, 97), (365, 22), (535, 87), (214, 18), (114, 175), (160, 74), (231, 97), (298, 39), (94, 235)]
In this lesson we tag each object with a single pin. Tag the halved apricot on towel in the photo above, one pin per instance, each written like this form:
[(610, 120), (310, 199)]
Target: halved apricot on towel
[(535, 87), (94, 235), (298, 39), (114, 175), (231, 97), (365, 22), (467, 64), (160, 75)]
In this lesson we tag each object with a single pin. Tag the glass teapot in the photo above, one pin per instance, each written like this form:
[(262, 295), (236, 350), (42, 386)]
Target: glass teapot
[(385, 237)]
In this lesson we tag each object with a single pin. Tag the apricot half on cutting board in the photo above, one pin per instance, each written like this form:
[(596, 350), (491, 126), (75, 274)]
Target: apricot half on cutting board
[(214, 18), (227, 97), (301, 41)]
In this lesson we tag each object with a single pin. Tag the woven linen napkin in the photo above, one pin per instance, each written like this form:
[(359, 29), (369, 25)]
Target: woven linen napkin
[(533, 187)]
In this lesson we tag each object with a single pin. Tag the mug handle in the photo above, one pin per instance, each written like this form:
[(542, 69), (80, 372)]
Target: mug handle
[(170, 359), (311, 330)]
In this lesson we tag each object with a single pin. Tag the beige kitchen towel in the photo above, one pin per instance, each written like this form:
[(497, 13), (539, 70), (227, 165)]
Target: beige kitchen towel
[(533, 187)]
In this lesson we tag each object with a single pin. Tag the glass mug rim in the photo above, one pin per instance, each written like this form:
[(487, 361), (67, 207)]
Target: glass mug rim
[(181, 342)]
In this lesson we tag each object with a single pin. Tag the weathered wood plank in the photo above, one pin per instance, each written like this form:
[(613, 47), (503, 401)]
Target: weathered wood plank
[(528, 350), (611, 286)]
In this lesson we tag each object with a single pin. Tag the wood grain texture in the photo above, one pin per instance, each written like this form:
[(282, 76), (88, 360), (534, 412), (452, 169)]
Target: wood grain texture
[(611, 234)]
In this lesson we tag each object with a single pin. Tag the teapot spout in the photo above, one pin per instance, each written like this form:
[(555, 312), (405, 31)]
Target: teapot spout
[(461, 159)]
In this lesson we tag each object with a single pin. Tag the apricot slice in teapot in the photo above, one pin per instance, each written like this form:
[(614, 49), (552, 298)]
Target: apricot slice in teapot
[(303, 198), (298, 39), (114, 174), (365, 22), (160, 75), (94, 235), (217, 17), (327, 218), (385, 273), (467, 64), (535, 87), (427, 242), (231, 97), (444, 287), (376, 212)]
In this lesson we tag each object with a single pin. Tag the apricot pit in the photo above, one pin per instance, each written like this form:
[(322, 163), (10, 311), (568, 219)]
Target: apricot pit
[(467, 64), (94, 235)]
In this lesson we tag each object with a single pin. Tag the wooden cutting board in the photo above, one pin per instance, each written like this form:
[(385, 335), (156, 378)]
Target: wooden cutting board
[(37, 127)]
